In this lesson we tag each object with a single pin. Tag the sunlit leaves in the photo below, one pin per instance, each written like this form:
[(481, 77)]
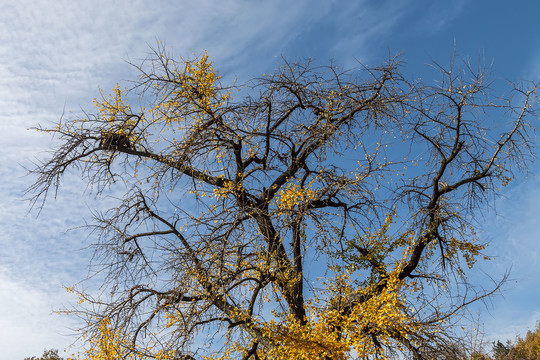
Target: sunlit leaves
[(290, 224), (192, 90)]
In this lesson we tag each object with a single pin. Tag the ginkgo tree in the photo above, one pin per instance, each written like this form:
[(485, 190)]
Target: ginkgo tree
[(310, 213)]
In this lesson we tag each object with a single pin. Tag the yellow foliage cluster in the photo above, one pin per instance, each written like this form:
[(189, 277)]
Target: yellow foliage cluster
[(383, 315), (108, 343), (195, 90), (112, 106), (115, 111), (529, 347), (292, 195), (468, 249), (230, 188)]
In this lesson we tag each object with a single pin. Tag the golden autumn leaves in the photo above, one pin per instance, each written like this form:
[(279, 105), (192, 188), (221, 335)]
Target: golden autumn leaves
[(108, 343), (341, 320), (238, 221), (183, 98)]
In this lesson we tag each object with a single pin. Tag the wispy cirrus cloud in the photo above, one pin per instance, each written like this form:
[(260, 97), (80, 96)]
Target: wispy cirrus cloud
[(27, 318), (514, 238)]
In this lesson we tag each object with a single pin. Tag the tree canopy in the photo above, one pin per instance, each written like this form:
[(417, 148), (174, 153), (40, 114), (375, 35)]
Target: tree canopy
[(47, 355), (527, 348), (310, 213)]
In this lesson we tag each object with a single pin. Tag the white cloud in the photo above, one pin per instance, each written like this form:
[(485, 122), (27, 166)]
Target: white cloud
[(513, 235), (27, 319)]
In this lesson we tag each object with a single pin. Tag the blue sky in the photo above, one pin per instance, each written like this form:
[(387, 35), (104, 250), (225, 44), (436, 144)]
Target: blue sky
[(55, 55)]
